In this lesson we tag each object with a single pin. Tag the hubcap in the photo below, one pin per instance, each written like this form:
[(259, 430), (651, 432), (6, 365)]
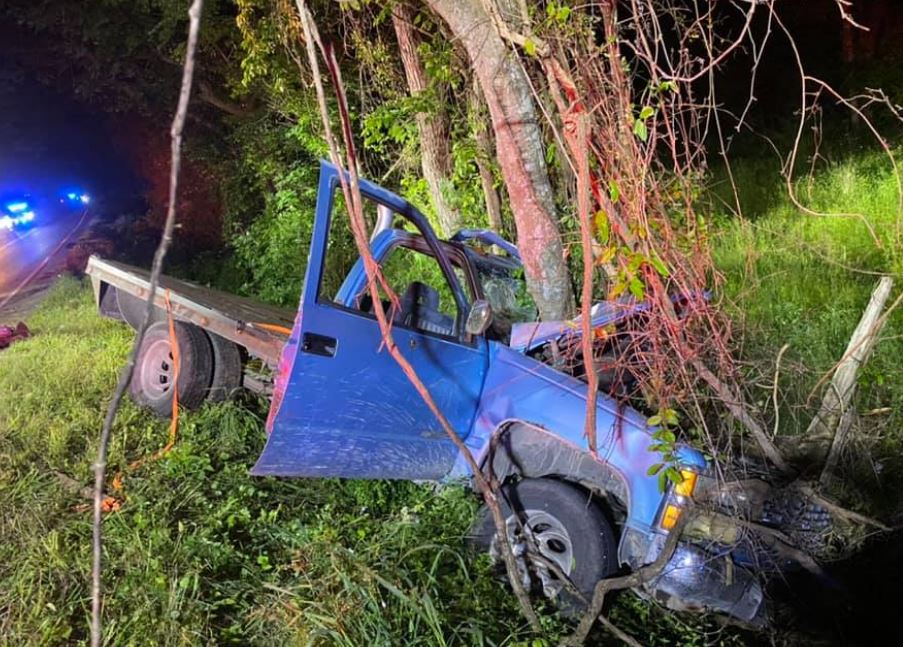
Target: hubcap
[(540, 534), (158, 369)]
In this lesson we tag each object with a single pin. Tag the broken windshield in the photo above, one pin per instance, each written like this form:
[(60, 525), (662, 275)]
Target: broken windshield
[(503, 285)]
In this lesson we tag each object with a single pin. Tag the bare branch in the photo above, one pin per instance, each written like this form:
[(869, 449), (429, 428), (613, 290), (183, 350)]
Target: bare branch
[(774, 392), (125, 377), (845, 16), (632, 580)]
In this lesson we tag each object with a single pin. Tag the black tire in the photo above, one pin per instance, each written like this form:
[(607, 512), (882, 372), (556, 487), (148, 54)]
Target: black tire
[(226, 369), (540, 505), (151, 385), (132, 309)]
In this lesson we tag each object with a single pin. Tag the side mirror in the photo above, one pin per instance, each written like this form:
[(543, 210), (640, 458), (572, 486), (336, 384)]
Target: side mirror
[(479, 317)]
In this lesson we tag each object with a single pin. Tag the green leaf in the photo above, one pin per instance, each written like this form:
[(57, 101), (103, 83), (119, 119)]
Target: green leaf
[(659, 266), (668, 85), (613, 191), (670, 416), (563, 14), (654, 421), (637, 289), (673, 475), (639, 129), (606, 256), (646, 112), (655, 469), (529, 47), (635, 261), (602, 228)]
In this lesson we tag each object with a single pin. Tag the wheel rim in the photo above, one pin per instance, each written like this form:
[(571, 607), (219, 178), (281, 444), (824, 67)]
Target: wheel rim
[(158, 369), (537, 532)]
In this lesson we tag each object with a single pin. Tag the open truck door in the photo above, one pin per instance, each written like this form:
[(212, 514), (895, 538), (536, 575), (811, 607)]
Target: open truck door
[(346, 409)]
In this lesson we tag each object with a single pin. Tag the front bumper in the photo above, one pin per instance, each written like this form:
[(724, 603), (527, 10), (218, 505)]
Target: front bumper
[(696, 579)]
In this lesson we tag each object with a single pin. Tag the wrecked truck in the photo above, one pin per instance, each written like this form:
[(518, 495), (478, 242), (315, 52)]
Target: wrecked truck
[(341, 406)]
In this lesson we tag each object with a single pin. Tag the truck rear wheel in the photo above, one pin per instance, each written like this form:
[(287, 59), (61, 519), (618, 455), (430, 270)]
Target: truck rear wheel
[(550, 522), (226, 369), (153, 382)]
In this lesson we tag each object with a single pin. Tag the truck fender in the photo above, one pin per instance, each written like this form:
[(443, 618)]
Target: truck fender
[(527, 450)]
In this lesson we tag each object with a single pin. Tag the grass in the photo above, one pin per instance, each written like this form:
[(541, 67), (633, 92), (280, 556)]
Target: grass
[(804, 281), (200, 552)]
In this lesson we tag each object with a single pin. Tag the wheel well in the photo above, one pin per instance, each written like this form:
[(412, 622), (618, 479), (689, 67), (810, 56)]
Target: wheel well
[(106, 302), (521, 449)]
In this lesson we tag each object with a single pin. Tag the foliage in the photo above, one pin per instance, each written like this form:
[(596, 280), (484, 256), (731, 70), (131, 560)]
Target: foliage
[(103, 51), (270, 200)]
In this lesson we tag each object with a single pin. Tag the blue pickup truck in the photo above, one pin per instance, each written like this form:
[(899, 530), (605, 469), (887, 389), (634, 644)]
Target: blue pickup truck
[(341, 406)]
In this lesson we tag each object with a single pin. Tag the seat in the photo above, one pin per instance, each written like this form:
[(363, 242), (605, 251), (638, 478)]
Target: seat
[(420, 310)]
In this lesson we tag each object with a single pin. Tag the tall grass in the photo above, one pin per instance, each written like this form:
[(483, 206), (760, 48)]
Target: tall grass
[(201, 552), (804, 280)]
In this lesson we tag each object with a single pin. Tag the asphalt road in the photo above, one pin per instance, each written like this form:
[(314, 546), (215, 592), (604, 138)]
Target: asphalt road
[(29, 256)]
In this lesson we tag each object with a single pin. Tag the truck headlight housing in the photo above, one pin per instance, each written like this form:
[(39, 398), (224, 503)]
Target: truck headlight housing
[(687, 485), (678, 499)]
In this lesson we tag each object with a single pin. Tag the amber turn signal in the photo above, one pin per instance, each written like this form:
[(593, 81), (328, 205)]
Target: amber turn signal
[(670, 516), (687, 484)]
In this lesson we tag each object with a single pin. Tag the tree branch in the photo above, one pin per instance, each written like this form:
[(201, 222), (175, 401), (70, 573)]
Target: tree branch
[(125, 377), (209, 96), (636, 578)]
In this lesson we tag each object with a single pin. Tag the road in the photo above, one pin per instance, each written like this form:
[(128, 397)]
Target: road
[(30, 257)]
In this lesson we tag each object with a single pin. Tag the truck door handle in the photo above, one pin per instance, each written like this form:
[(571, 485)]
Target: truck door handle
[(316, 344)]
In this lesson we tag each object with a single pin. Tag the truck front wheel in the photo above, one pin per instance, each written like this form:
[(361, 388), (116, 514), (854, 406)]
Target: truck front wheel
[(554, 529), (154, 380)]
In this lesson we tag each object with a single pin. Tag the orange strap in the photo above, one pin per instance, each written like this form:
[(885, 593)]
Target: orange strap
[(272, 327), (111, 503)]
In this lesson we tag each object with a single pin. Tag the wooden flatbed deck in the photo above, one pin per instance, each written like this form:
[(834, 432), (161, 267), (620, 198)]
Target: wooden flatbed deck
[(261, 329)]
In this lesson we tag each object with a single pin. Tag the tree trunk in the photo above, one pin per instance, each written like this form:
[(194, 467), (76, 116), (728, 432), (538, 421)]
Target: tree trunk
[(520, 151), (435, 155), (484, 154)]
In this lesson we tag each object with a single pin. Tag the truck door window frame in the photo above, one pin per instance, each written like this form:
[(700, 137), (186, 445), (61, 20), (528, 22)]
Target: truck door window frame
[(426, 243)]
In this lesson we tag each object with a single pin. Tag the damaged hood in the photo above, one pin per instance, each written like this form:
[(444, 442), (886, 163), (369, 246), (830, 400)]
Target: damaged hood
[(527, 336)]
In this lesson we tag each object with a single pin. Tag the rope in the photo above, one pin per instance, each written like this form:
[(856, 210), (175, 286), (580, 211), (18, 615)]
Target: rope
[(113, 503)]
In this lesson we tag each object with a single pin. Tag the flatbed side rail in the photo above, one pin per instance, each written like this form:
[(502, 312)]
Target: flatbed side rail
[(259, 328)]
